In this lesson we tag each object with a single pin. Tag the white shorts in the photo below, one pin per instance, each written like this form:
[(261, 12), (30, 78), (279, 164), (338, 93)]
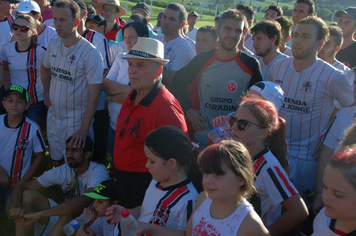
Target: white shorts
[(57, 136), (47, 229), (302, 175)]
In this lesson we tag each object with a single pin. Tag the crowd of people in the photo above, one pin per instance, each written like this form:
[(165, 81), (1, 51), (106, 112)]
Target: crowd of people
[(99, 92)]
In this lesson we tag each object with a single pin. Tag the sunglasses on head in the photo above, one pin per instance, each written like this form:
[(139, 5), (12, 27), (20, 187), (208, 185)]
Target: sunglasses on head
[(241, 124), (23, 28)]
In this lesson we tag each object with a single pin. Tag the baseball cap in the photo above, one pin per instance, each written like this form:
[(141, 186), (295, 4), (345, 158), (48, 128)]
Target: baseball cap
[(193, 13), (12, 1), (143, 6), (81, 4), (350, 12), (270, 91), (26, 6), (17, 89), (105, 190), (97, 19)]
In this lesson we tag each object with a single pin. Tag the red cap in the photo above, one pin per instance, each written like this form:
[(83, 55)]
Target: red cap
[(125, 213)]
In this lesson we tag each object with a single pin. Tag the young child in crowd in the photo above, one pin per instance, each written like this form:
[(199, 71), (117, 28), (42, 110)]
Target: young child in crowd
[(258, 126), (338, 217), (21, 137), (171, 196), (105, 195), (222, 209)]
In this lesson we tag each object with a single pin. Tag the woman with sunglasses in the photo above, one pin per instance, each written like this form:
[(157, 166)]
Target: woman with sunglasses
[(31, 8), (258, 126), (22, 61)]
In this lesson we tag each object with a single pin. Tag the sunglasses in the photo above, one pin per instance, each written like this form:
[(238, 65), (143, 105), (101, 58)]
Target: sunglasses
[(242, 124), (111, 10), (23, 28)]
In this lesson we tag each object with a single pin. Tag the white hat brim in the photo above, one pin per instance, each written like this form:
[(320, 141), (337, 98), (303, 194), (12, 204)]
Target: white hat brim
[(160, 61)]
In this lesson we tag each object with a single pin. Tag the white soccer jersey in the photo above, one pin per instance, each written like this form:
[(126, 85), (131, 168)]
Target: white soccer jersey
[(25, 68), (17, 146), (118, 73), (178, 51), (5, 30), (266, 68), (46, 35), (340, 66), (249, 44), (272, 184), (99, 41), (72, 70), (66, 177), (308, 101), (169, 207)]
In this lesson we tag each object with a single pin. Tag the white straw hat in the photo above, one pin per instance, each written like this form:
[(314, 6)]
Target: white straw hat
[(148, 49)]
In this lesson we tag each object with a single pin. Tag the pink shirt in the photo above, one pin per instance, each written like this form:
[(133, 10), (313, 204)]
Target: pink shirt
[(47, 14)]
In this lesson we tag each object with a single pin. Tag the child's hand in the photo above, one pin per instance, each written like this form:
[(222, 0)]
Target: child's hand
[(113, 214), (143, 228), (85, 232), (219, 120)]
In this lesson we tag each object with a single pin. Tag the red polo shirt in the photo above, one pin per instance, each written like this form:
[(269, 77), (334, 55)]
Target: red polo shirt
[(111, 35), (159, 108)]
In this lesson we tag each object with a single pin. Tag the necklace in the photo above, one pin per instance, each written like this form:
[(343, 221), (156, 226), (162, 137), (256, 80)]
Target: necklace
[(70, 50)]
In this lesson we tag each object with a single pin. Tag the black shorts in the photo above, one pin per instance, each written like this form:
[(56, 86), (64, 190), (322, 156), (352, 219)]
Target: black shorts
[(132, 187)]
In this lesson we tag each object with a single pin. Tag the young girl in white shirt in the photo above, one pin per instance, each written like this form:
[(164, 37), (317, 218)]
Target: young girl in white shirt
[(170, 198), (338, 217), (222, 208)]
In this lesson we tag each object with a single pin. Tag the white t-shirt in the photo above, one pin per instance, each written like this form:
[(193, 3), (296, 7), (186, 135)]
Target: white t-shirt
[(205, 224), (65, 176), (288, 51), (349, 75), (265, 68), (115, 49), (273, 186), (101, 227), (72, 69), (6, 33), (249, 44), (46, 35), (18, 145), (308, 102), (322, 225), (341, 66), (118, 73), (169, 207), (49, 23), (178, 51), (25, 68), (193, 34), (336, 134)]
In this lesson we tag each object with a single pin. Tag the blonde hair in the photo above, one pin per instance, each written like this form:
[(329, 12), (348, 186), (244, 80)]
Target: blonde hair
[(32, 25)]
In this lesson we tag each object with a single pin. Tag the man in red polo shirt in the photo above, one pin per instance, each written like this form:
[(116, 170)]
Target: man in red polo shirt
[(149, 106), (110, 10)]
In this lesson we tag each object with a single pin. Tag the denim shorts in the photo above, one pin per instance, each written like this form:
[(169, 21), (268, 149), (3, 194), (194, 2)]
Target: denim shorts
[(37, 111)]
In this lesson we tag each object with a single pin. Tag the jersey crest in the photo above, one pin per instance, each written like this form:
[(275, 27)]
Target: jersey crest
[(231, 86), (22, 144), (306, 86)]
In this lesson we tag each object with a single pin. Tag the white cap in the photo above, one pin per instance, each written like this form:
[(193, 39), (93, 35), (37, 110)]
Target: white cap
[(270, 91), (26, 6)]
